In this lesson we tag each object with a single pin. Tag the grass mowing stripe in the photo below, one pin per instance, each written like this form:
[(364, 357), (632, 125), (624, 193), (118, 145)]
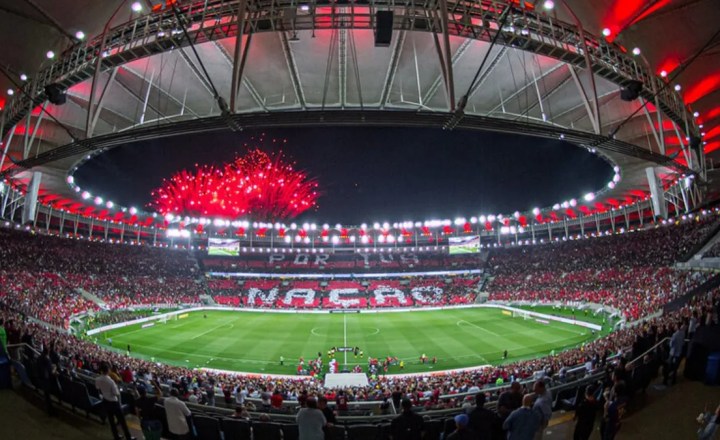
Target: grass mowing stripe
[(254, 341)]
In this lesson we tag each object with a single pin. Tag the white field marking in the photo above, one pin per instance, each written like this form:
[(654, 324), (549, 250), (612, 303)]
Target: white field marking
[(345, 336), (312, 331), (211, 357), (117, 335), (377, 331), (477, 327), (212, 329)]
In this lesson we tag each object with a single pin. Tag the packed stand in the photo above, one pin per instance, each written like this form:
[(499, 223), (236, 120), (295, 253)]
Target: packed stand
[(337, 294), (431, 392), (41, 275), (335, 263), (630, 272)]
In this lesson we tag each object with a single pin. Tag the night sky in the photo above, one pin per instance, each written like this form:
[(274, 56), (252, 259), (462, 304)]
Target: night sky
[(373, 174)]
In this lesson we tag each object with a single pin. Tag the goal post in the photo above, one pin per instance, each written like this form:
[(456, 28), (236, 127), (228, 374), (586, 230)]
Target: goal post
[(521, 314)]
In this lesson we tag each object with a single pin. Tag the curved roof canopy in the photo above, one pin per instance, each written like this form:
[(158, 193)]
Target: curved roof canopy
[(317, 63)]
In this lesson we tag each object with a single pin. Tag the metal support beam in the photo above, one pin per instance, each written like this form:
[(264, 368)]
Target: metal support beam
[(35, 131), (292, 69), (488, 70), (659, 137), (595, 105), (392, 68), (99, 106), (525, 87), (201, 78), (160, 90), (237, 65), (435, 86), (590, 108), (147, 98), (446, 54), (342, 66), (546, 96)]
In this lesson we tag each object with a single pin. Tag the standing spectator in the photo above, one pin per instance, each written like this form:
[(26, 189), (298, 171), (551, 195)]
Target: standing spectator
[(276, 400), (311, 421), (484, 422), (210, 393), (408, 425), (585, 413), (510, 400), (341, 401), (111, 402), (47, 375), (543, 406), (677, 341), (327, 412), (241, 394), (265, 397), (462, 431), (524, 422), (396, 397), (692, 326), (150, 422), (614, 410), (177, 414)]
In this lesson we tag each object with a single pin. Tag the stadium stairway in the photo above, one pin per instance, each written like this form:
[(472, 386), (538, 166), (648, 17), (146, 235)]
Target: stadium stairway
[(90, 297), (207, 300)]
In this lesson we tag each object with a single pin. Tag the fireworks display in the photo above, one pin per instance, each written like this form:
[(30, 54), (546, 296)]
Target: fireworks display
[(258, 185)]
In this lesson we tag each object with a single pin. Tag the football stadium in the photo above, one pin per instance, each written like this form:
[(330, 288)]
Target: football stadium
[(359, 220)]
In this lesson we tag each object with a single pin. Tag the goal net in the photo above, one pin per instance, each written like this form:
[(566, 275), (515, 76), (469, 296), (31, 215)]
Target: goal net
[(521, 314)]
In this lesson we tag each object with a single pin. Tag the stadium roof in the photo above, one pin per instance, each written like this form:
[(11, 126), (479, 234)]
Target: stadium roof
[(316, 63)]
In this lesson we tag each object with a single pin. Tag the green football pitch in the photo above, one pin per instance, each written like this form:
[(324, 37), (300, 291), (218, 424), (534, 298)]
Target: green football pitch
[(254, 341)]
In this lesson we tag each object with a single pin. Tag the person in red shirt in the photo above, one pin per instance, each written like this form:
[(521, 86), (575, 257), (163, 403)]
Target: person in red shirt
[(276, 400), (341, 401), (127, 375)]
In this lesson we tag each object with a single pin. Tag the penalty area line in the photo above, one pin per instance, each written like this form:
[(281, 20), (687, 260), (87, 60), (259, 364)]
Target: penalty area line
[(477, 327)]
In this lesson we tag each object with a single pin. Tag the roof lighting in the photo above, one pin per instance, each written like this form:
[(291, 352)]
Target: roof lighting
[(50, 54), (606, 32), (548, 4), (136, 7), (636, 51), (80, 35)]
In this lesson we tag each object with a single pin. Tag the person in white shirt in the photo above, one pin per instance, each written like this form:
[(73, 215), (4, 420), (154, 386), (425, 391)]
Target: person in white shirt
[(542, 406), (111, 402), (177, 413), (240, 395)]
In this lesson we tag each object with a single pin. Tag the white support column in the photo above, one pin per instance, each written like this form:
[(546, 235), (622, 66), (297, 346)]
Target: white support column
[(30, 205), (657, 194)]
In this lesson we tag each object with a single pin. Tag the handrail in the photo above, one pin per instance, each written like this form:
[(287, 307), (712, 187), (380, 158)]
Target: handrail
[(640, 356), (23, 344)]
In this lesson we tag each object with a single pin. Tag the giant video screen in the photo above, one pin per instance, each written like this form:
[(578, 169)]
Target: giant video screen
[(224, 247), (464, 245)]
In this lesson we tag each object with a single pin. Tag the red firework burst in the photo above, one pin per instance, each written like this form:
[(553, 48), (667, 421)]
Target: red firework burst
[(259, 185)]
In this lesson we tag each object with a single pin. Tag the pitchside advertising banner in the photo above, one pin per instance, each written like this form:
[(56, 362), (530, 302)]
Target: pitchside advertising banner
[(224, 247), (464, 245)]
